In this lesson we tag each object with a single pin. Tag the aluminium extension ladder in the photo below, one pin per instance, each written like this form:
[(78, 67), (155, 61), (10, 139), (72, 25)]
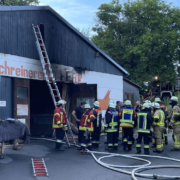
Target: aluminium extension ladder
[(48, 75)]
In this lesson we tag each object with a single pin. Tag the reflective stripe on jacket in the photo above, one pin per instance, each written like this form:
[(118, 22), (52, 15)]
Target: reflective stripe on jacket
[(86, 122), (159, 114), (127, 117), (111, 120), (142, 122), (59, 118), (175, 111)]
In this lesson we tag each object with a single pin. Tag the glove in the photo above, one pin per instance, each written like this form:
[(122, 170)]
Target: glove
[(65, 128)]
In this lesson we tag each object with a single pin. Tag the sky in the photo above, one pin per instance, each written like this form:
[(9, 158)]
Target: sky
[(81, 13)]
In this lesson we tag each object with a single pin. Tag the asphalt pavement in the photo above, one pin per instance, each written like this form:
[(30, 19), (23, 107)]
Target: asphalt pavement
[(71, 165)]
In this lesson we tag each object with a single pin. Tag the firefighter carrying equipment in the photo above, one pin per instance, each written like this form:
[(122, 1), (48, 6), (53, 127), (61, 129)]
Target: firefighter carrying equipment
[(111, 128), (97, 126), (96, 104), (59, 118)]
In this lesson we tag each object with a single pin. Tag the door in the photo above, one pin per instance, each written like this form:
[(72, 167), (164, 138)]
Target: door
[(22, 100)]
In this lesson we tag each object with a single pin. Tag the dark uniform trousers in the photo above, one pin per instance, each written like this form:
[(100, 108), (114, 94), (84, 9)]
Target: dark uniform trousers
[(112, 139), (128, 137), (145, 137), (96, 134), (60, 133)]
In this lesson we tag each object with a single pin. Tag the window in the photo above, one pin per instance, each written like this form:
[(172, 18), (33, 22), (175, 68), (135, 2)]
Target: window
[(22, 92), (129, 96)]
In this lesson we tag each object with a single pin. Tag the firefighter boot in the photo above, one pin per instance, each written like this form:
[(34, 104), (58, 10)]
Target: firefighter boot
[(146, 151), (157, 151), (129, 147), (138, 150)]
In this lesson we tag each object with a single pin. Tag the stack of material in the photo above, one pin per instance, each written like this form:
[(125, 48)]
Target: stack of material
[(12, 130)]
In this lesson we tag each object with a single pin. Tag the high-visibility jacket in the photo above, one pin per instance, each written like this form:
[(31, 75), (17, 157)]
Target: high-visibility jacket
[(175, 111), (163, 108), (127, 117), (159, 114), (98, 117), (144, 121), (111, 120), (87, 121), (59, 118)]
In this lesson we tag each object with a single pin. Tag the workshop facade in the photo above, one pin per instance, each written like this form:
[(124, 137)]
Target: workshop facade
[(83, 72)]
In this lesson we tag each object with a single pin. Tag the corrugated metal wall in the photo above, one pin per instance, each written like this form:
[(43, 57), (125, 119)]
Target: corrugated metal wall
[(6, 95), (64, 46)]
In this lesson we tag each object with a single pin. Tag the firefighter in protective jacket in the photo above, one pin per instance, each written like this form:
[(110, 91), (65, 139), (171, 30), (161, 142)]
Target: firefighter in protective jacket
[(158, 126), (86, 125), (111, 127), (60, 124), (175, 122), (97, 124), (143, 123), (164, 109), (127, 117)]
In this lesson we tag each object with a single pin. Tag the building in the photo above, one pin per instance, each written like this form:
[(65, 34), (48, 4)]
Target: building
[(131, 91), (82, 70)]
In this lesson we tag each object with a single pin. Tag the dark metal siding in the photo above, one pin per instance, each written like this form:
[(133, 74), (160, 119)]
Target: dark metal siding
[(129, 88), (6, 95), (64, 46)]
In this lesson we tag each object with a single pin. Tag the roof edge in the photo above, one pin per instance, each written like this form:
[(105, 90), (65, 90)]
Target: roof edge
[(132, 83), (36, 8)]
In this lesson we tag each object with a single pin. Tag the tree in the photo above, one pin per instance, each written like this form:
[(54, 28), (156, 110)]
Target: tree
[(18, 2), (142, 36)]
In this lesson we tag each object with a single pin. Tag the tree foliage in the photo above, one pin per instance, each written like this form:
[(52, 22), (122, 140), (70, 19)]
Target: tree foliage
[(18, 2), (142, 36)]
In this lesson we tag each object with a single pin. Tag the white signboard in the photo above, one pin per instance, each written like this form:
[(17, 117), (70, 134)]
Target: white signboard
[(22, 109), (2, 103)]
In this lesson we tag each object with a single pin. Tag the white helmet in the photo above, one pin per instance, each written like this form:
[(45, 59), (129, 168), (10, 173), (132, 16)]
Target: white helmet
[(157, 100), (63, 102), (174, 98), (96, 103), (87, 106), (155, 105), (112, 105), (147, 101), (110, 101), (145, 105), (127, 103)]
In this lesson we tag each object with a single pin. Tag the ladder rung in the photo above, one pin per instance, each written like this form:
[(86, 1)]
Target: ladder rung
[(37, 33), (54, 89), (45, 57), (47, 64), (50, 82), (41, 45), (35, 27), (39, 39), (56, 96), (43, 51)]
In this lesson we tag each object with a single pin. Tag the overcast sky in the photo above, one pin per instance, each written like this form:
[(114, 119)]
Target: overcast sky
[(80, 13)]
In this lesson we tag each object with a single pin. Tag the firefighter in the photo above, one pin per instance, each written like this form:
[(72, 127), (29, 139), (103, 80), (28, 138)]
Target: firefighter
[(111, 127), (175, 122), (86, 125), (97, 124), (143, 123), (163, 108), (158, 126), (60, 124), (127, 117)]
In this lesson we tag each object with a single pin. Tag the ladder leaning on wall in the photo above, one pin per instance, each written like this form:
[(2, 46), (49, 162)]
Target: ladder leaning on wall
[(49, 77)]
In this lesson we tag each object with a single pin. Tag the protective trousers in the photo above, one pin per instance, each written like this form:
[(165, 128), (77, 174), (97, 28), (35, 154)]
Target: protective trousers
[(165, 138), (96, 135), (59, 137), (128, 137), (153, 137), (158, 133), (145, 137), (112, 140), (176, 133), (86, 142)]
